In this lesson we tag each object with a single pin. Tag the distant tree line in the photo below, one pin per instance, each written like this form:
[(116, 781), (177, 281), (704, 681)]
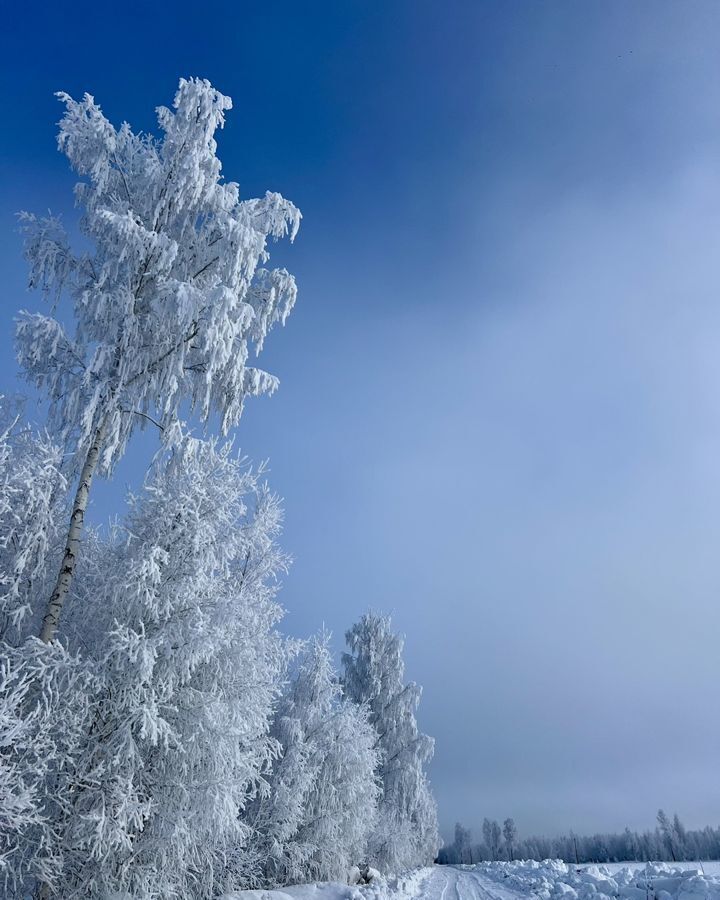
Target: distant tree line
[(669, 841)]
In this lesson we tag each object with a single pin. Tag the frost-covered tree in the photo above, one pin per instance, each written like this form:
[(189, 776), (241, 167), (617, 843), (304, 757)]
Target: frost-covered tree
[(342, 807), (407, 833), (462, 846), (37, 737), (632, 845), (680, 835), (495, 836), (315, 819), (487, 833), (189, 666), (510, 835), (169, 300), (648, 846), (40, 737), (427, 835), (32, 494), (668, 833)]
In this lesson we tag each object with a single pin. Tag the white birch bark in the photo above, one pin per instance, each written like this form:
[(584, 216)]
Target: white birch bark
[(72, 544)]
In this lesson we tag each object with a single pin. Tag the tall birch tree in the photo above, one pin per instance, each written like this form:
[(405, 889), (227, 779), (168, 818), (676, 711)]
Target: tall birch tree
[(169, 301)]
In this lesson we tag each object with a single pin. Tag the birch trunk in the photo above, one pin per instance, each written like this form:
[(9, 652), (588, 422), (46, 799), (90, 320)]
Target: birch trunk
[(72, 544)]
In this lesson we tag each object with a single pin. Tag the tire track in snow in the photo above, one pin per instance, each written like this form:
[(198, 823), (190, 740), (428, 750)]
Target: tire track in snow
[(466, 885)]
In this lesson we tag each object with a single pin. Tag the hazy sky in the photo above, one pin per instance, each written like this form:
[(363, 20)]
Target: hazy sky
[(499, 416)]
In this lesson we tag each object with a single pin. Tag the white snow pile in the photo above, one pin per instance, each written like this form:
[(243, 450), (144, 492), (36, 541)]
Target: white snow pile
[(553, 879), (400, 887)]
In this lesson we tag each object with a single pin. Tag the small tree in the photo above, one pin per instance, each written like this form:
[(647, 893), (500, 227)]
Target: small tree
[(487, 836), (374, 672), (510, 835), (680, 835), (666, 831), (168, 302), (631, 849), (320, 808), (463, 844)]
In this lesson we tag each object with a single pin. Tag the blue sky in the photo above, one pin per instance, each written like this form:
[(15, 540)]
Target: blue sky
[(499, 416)]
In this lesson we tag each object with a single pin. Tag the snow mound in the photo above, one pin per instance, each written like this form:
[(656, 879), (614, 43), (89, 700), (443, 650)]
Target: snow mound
[(553, 879), (400, 887)]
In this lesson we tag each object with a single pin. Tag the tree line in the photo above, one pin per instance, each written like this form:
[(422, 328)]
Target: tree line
[(159, 736), (669, 841)]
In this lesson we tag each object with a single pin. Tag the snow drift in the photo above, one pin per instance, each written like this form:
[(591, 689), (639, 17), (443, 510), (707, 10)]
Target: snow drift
[(402, 887), (553, 879)]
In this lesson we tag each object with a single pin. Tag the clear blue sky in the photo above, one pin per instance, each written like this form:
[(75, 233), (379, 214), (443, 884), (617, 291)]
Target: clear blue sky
[(499, 416)]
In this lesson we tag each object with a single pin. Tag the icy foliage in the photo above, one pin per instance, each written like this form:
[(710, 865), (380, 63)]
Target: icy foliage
[(407, 833), (190, 663), (172, 297), (316, 818), (44, 715), (32, 497), (155, 747)]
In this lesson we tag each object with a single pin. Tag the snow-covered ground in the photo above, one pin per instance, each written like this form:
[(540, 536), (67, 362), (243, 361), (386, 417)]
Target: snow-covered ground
[(549, 880), (708, 867), (552, 880), (408, 886)]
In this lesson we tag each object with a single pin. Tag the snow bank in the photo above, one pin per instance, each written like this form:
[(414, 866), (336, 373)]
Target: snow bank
[(555, 880), (401, 887)]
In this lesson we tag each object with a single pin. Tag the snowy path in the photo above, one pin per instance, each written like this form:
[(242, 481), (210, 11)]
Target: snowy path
[(436, 883), (449, 883)]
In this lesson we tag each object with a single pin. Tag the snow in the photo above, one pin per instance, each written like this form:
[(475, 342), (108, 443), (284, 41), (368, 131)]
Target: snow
[(403, 887), (548, 880), (553, 879), (708, 867)]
